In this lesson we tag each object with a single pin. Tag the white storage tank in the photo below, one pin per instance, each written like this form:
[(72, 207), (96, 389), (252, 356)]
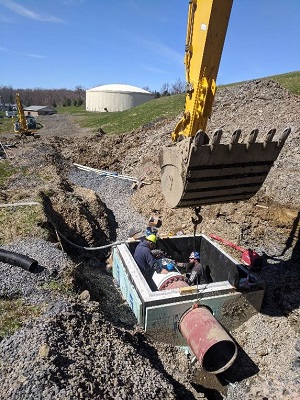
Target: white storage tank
[(115, 97)]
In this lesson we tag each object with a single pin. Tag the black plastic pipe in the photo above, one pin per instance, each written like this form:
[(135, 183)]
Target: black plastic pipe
[(18, 260)]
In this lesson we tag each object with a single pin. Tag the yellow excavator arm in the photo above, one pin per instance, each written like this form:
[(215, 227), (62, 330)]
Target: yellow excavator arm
[(198, 169), (206, 31)]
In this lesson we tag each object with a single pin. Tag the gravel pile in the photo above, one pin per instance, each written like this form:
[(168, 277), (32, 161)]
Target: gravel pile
[(73, 352), (16, 281)]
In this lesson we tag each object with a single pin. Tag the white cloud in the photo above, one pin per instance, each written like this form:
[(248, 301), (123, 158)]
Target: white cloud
[(33, 55), (27, 13)]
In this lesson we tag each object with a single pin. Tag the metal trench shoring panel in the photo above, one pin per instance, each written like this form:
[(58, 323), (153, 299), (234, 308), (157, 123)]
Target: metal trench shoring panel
[(194, 174)]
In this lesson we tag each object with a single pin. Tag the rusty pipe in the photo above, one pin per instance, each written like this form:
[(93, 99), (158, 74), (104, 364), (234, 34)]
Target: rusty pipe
[(211, 345), (173, 280)]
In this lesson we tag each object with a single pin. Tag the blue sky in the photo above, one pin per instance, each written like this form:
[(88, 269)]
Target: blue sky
[(67, 43)]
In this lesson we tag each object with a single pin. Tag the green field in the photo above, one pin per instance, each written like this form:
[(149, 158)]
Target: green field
[(163, 107)]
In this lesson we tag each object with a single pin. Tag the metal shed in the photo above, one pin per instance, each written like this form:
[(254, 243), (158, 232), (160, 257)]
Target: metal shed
[(115, 97), (34, 111)]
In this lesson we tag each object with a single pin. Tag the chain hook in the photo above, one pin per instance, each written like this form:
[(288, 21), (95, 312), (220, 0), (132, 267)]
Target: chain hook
[(199, 217), (196, 221)]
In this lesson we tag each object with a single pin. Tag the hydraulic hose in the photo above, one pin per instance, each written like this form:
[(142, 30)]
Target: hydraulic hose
[(18, 260)]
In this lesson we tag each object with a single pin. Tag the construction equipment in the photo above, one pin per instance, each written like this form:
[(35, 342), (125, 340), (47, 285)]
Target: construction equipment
[(249, 257), (25, 125), (199, 169)]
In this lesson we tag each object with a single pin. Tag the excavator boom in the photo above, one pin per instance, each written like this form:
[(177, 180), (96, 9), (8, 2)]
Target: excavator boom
[(206, 31), (199, 169)]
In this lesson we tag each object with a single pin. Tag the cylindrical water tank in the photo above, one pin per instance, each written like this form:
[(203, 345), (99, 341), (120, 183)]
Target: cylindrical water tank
[(115, 97)]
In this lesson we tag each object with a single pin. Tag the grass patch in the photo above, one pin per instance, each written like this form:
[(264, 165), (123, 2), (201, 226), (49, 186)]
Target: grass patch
[(126, 121), (6, 125), (289, 81), (71, 110), (6, 170), (13, 315), (63, 286), (21, 221)]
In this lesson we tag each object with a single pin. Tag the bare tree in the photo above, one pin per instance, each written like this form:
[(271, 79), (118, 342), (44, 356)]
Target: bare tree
[(165, 89), (43, 97), (178, 87)]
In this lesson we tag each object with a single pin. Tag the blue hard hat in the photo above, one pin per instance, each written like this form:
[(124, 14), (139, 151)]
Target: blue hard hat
[(195, 254)]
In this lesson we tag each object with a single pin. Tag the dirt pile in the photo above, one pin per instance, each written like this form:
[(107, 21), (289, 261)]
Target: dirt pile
[(80, 214)]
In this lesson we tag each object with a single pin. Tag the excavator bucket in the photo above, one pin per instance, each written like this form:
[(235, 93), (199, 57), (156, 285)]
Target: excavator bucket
[(198, 171)]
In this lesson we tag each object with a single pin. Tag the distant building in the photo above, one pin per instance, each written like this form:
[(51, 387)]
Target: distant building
[(115, 97), (34, 111), (8, 107)]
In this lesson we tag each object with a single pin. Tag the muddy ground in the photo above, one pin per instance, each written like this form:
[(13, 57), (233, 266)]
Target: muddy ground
[(268, 223)]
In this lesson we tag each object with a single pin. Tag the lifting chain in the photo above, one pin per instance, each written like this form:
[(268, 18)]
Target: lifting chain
[(196, 221)]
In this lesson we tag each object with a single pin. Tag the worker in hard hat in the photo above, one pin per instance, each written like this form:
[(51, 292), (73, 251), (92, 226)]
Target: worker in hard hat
[(145, 259), (194, 269)]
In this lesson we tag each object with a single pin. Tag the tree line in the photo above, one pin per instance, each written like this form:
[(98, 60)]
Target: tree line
[(66, 97), (43, 97), (168, 89)]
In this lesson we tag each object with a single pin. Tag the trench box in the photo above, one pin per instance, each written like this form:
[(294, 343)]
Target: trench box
[(159, 312)]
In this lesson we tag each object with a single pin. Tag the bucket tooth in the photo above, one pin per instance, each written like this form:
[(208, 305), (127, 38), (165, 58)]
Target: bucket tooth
[(200, 138), (269, 136), (283, 137), (252, 137), (216, 139), (234, 138)]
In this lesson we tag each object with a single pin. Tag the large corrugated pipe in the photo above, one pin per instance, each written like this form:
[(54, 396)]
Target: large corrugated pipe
[(18, 260), (211, 345)]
